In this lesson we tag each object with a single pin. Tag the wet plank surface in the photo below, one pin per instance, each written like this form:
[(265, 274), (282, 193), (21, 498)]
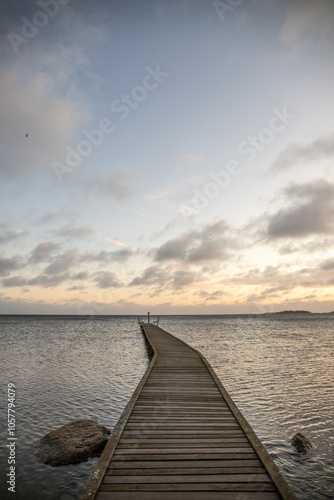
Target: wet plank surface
[(181, 437)]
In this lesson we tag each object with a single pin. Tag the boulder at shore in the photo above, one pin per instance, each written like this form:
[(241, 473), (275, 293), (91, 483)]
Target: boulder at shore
[(72, 443), (301, 443)]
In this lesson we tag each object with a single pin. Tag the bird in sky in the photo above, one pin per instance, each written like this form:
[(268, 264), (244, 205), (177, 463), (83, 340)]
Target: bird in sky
[(26, 135)]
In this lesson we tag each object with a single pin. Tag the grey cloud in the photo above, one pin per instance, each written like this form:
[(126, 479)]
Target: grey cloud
[(106, 257), (106, 280), (44, 280), (294, 154), (314, 245), (80, 276), (211, 243), (117, 184), (308, 24), (182, 278), (281, 279), (310, 212), (12, 235), (43, 252), (55, 217), (62, 263), (11, 264), (167, 277), (208, 296), (14, 281), (328, 265), (172, 249), (76, 287), (151, 275), (47, 281), (79, 233)]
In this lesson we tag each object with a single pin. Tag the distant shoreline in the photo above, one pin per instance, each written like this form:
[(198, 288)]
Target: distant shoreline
[(291, 312)]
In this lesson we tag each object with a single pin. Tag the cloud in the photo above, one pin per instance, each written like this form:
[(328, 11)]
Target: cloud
[(209, 244), (211, 296), (107, 257), (294, 154), (106, 280), (47, 281), (43, 252), (62, 263), (11, 235), (82, 275), (308, 23), (312, 246), (328, 265), (277, 281), (11, 264), (170, 276), (311, 212), (14, 281), (79, 233), (152, 275), (172, 249), (183, 277), (116, 184)]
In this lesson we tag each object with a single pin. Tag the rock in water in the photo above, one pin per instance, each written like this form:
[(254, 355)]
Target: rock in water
[(301, 443), (72, 443)]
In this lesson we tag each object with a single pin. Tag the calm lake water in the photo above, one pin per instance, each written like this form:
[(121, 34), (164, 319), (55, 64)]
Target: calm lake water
[(277, 368)]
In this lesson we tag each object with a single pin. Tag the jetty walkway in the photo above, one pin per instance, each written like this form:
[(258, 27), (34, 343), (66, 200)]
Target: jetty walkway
[(182, 437)]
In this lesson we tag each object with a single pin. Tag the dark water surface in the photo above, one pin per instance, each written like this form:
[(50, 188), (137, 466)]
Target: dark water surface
[(278, 369)]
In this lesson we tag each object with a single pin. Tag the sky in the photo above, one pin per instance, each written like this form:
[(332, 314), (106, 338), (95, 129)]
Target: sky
[(166, 156)]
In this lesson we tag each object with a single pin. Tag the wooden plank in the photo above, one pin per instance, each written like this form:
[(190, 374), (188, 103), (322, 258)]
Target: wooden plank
[(179, 413), (170, 495), (229, 434), (142, 451), (195, 418), (189, 440), (193, 479), (184, 456), (182, 405), (182, 445), (174, 433), (194, 427), (186, 464), (241, 487), (185, 471)]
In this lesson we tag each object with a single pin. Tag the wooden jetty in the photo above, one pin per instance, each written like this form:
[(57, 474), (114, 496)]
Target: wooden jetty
[(182, 437)]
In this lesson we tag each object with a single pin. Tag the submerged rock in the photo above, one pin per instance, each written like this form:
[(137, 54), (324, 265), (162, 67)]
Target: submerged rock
[(301, 443), (72, 443)]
